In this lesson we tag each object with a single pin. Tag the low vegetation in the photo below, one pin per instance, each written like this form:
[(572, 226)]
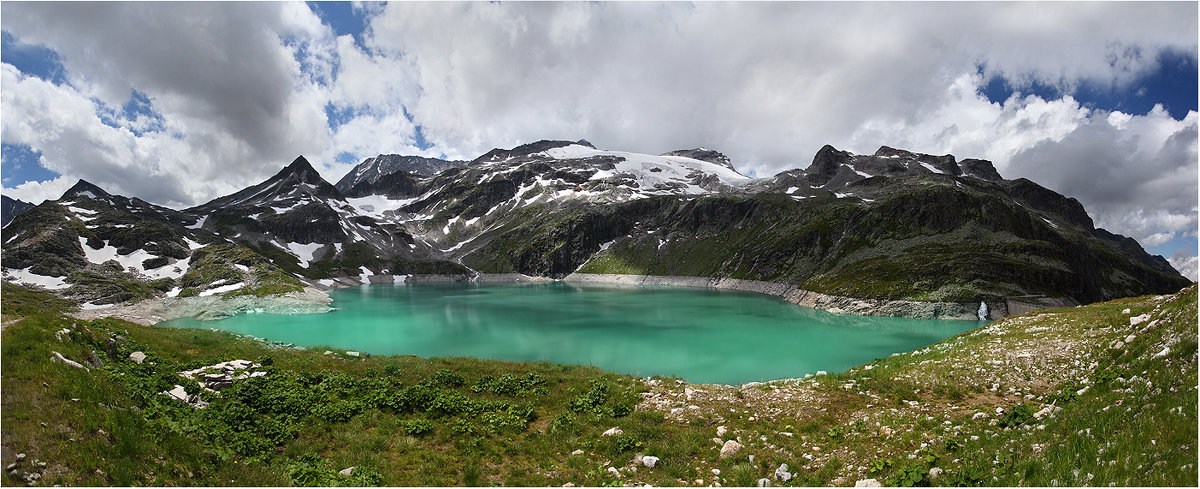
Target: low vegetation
[(1098, 395)]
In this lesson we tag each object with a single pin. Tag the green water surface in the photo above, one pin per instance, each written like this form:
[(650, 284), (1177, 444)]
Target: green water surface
[(701, 335)]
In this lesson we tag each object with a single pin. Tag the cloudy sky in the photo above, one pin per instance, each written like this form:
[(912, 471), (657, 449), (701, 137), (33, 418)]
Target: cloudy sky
[(179, 103)]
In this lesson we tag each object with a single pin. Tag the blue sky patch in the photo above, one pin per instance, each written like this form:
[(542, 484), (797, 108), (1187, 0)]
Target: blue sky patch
[(20, 164), (31, 59), (1174, 85), (342, 17)]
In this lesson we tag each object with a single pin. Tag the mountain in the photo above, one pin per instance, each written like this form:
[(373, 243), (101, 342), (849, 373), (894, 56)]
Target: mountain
[(296, 219), (372, 169), (10, 208), (99, 248), (890, 225)]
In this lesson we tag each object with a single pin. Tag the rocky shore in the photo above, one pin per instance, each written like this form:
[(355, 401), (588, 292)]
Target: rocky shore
[(154, 311), (808, 298)]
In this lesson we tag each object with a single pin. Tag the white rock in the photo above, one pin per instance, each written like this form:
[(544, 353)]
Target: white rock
[(353, 354), (346, 472), (980, 415), (137, 356), (1044, 412), (721, 430), (1136, 320), (58, 357), (716, 471), (867, 483), (649, 461), (614, 471), (1129, 339), (1166, 350), (782, 474), (764, 482), (178, 393), (730, 448), (612, 432), (577, 452), (822, 372), (935, 472), (1126, 311)]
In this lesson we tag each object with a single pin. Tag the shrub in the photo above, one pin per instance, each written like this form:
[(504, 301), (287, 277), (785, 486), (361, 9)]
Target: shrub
[(1016, 416), (448, 379), (592, 400), (450, 403), (416, 427)]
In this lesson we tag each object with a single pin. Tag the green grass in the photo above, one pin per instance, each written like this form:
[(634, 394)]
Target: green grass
[(404, 420)]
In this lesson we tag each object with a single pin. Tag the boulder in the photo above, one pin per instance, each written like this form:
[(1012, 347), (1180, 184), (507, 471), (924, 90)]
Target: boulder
[(347, 472), (868, 483), (730, 448), (353, 354), (782, 474), (649, 461), (178, 393), (614, 431), (137, 357)]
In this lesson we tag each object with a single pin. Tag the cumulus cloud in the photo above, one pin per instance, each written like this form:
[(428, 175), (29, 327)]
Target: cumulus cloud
[(238, 89), (1187, 263)]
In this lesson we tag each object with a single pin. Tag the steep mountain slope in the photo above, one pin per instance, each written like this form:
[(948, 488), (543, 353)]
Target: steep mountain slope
[(304, 225), (375, 168), (894, 225), (10, 208)]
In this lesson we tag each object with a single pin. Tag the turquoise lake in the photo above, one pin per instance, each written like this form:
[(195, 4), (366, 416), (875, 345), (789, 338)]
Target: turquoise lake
[(701, 335)]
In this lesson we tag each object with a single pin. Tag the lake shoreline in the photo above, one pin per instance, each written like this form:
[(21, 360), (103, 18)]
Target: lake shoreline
[(314, 300)]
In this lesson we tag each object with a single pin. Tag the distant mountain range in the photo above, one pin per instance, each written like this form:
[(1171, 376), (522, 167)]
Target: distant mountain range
[(891, 225)]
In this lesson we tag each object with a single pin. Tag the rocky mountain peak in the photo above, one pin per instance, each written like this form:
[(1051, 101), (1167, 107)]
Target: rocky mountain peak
[(703, 154), (498, 154), (84, 188)]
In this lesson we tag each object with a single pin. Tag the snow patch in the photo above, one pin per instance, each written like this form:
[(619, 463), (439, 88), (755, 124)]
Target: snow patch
[(26, 277), (222, 289), (199, 224), (304, 252), (932, 168)]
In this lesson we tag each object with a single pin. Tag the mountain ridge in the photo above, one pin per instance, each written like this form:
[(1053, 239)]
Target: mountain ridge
[(893, 225)]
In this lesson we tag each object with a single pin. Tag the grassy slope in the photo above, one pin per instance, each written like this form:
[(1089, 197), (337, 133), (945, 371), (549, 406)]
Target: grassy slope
[(403, 423)]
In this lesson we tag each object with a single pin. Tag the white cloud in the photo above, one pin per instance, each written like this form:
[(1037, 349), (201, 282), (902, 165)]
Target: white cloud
[(35, 192), (1187, 263)]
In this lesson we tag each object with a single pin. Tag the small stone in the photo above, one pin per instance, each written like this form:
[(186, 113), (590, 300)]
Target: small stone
[(782, 474), (716, 471), (58, 357), (1129, 339), (867, 483), (10, 466), (649, 461), (568, 485), (614, 471), (577, 452), (347, 472), (935, 472), (41, 464), (1126, 311), (327, 352), (353, 354), (730, 448), (721, 430), (20, 457), (612, 432), (764, 482)]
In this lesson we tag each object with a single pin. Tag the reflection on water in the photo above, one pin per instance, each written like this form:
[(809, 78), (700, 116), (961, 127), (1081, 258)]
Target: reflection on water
[(698, 334)]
